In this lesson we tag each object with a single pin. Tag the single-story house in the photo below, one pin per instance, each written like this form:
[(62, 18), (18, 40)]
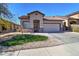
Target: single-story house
[(36, 21), (15, 27), (0, 28), (8, 26)]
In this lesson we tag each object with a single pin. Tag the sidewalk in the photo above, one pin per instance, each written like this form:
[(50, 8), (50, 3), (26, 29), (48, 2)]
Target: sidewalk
[(70, 49), (62, 50), (5, 34)]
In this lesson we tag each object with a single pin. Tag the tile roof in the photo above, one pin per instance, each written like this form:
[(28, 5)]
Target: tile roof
[(36, 11), (23, 17), (77, 12), (55, 17)]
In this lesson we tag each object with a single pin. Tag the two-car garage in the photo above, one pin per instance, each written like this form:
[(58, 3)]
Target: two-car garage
[(51, 27)]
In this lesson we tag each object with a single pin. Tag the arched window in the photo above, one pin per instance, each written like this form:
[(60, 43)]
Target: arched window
[(73, 22)]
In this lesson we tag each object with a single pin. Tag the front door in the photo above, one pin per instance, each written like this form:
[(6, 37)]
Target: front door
[(36, 25)]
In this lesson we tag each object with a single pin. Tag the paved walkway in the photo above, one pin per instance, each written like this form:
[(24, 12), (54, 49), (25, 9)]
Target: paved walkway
[(62, 50), (2, 35), (69, 48)]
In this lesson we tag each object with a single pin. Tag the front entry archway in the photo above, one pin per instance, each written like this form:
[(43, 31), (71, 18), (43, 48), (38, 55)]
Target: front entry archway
[(73, 22), (36, 25)]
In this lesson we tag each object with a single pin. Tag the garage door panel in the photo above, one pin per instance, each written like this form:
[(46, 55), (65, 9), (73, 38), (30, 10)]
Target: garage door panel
[(51, 27)]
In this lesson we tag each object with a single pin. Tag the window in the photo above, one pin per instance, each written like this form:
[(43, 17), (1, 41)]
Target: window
[(26, 25), (36, 14), (73, 22)]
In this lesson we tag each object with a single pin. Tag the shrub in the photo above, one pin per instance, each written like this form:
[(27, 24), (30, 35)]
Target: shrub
[(21, 39)]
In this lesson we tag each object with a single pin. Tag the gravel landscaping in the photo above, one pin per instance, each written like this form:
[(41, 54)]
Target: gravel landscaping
[(31, 45)]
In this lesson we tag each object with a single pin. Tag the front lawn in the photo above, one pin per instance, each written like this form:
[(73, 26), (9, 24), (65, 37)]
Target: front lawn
[(21, 39)]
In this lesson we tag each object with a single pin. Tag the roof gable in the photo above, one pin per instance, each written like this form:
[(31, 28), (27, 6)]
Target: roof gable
[(74, 13), (35, 12)]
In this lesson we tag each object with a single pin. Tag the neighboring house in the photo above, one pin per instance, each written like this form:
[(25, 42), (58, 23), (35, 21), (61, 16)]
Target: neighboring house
[(38, 22), (0, 28), (73, 18), (15, 27), (7, 26)]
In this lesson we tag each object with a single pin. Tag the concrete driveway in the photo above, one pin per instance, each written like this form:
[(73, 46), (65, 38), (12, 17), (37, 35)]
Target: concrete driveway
[(69, 48), (66, 37)]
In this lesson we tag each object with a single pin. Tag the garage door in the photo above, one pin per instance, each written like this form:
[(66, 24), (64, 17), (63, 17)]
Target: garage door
[(51, 27)]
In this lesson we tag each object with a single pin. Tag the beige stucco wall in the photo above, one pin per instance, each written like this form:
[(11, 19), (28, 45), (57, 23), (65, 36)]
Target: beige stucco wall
[(36, 17), (72, 18), (67, 22), (77, 21), (31, 18), (75, 16), (0, 28)]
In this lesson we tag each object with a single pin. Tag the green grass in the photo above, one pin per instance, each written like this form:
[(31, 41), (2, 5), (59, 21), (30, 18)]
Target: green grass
[(21, 39)]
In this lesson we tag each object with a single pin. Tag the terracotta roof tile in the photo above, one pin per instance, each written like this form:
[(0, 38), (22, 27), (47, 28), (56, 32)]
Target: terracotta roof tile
[(36, 11), (55, 17), (23, 17), (77, 12)]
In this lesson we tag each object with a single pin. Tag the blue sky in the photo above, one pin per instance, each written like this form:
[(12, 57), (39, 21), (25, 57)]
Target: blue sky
[(49, 9)]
